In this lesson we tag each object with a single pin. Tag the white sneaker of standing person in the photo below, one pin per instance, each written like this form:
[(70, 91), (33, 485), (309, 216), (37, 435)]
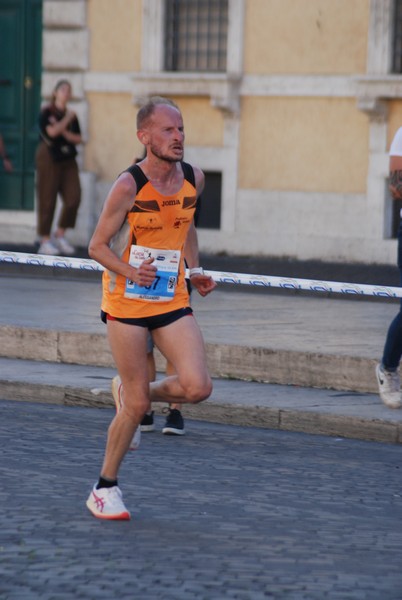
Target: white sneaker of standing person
[(117, 393), (47, 247), (107, 503), (63, 245), (389, 387)]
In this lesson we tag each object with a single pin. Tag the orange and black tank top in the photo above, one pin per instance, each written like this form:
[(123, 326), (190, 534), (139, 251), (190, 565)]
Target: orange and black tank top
[(155, 221)]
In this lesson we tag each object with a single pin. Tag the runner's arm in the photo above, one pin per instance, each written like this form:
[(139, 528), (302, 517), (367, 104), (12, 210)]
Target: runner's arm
[(204, 284), (118, 203)]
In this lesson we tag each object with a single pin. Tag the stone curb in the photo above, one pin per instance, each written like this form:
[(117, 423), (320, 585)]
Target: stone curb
[(284, 367), (374, 430)]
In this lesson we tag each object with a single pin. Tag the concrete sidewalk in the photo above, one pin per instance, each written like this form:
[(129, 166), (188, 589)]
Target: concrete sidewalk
[(286, 338), (54, 349)]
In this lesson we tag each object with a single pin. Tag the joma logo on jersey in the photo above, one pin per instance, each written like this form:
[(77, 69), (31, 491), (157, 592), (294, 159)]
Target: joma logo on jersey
[(170, 202)]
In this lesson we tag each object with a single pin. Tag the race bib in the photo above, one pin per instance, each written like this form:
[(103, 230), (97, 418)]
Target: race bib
[(163, 287)]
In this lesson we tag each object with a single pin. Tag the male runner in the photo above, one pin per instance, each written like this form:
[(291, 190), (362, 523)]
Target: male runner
[(145, 222)]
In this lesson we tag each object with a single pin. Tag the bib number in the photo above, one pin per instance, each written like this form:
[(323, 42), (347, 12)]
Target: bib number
[(163, 287)]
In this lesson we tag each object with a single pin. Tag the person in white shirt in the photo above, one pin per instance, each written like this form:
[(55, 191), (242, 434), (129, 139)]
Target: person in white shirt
[(387, 371)]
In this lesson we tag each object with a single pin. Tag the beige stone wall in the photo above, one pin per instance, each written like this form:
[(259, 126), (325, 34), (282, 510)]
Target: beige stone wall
[(115, 47), (303, 144), (112, 143), (115, 34), (299, 127), (203, 124), (306, 36), (286, 143)]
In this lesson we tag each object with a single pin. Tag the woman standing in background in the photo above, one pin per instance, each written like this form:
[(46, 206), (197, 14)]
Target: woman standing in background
[(57, 171)]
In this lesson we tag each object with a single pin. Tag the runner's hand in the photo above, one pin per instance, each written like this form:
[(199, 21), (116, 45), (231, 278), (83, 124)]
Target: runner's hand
[(204, 284), (145, 274)]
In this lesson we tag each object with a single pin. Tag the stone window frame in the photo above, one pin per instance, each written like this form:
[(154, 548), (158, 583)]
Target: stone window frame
[(223, 89), (379, 84)]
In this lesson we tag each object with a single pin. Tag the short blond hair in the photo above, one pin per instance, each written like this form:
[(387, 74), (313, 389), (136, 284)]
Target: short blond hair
[(147, 110)]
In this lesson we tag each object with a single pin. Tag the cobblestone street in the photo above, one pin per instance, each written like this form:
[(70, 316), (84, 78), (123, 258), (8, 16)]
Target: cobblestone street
[(224, 512)]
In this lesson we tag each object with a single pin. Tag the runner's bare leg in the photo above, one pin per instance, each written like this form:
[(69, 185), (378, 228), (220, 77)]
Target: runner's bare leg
[(128, 345), (182, 345)]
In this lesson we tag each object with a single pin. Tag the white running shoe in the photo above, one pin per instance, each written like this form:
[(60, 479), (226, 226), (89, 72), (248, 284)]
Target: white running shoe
[(389, 386), (107, 503), (63, 245), (117, 393), (48, 248)]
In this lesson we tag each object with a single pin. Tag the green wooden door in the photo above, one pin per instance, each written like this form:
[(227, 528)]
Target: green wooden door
[(20, 86)]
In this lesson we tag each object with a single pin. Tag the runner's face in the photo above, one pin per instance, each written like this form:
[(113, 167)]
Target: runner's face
[(166, 133)]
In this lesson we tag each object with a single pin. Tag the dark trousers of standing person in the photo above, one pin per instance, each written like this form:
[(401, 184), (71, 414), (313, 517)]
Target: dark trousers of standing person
[(393, 344), (52, 178)]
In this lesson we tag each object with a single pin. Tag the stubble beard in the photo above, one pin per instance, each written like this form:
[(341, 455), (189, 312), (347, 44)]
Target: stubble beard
[(165, 157)]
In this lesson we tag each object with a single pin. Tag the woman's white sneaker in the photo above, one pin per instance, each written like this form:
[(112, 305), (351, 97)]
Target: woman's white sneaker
[(63, 245), (107, 503), (47, 247)]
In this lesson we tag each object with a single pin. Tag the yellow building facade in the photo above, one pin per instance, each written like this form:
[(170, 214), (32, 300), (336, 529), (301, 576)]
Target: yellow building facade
[(298, 126)]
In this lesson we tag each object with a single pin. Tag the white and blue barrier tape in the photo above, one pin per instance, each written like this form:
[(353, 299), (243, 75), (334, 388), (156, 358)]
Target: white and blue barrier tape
[(268, 281)]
